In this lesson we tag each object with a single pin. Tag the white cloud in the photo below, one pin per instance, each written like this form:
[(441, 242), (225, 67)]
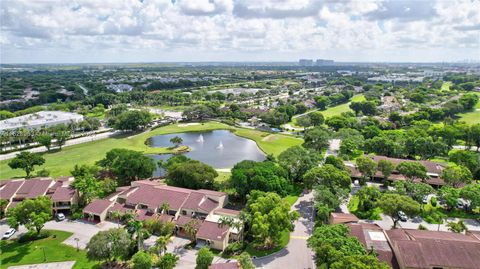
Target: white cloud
[(185, 30)]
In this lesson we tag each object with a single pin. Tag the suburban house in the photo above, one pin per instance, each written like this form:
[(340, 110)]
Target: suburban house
[(225, 265), (62, 194), (434, 171), (420, 249), (147, 199), (342, 218)]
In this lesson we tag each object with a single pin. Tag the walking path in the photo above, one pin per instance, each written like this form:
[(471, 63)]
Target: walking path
[(51, 265), (296, 255)]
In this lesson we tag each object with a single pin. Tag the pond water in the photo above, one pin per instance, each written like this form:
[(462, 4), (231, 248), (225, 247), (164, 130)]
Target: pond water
[(219, 148)]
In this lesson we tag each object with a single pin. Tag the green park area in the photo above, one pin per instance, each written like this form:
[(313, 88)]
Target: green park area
[(15, 253), (60, 163), (337, 110), (472, 117)]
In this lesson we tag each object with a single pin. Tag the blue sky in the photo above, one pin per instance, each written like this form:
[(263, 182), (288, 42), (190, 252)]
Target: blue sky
[(43, 31)]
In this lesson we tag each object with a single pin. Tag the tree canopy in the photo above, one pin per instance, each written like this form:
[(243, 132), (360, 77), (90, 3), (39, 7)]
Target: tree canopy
[(297, 161), (27, 161), (188, 173), (33, 213)]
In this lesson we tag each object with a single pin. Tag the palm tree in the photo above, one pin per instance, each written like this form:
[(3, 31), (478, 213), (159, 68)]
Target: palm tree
[(164, 208), (136, 228), (116, 215), (231, 222), (191, 229), (162, 243)]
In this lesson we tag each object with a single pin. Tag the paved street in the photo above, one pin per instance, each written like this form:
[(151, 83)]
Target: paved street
[(81, 230), (387, 223), (296, 255)]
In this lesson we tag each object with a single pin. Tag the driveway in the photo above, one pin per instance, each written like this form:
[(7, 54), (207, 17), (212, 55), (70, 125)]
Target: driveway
[(386, 223), (296, 255), (80, 229), (187, 256)]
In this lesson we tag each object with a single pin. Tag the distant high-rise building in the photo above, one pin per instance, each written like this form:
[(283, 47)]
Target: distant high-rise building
[(305, 62), (324, 62)]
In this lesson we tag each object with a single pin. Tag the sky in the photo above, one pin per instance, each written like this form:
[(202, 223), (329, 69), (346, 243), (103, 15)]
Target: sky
[(96, 31)]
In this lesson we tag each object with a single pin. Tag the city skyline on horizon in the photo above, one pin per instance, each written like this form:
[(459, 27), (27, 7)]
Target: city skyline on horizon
[(134, 31)]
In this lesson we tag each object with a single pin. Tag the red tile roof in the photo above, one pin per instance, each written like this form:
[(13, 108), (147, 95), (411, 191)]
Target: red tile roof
[(33, 188), (212, 231), (143, 214), (212, 193), (97, 206), (182, 220), (9, 190), (154, 197), (122, 208), (63, 194)]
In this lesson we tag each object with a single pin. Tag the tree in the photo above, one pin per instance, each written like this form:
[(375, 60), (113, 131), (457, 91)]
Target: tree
[(304, 121), (133, 120), (457, 227), (27, 161), (367, 199), (316, 118), (386, 167), (198, 112), (329, 176), (190, 229), (348, 147), (336, 161), (245, 261), (3, 207), (457, 175), (176, 140), (268, 217), (142, 260), (416, 190), (109, 245), (167, 261), (471, 193), (366, 166), (412, 170), (162, 242), (204, 258), (450, 195), (88, 188), (325, 198), (332, 243), (322, 102), (44, 140), (359, 262), (317, 139), (128, 165), (62, 136), (264, 176), (392, 203), (33, 213), (297, 161), (191, 174)]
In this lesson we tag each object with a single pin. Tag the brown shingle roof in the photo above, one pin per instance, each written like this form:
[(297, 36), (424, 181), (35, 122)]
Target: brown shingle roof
[(155, 197), (227, 265), (427, 249), (226, 211), (9, 190), (211, 230), (97, 206), (431, 167), (182, 220), (337, 218), (63, 194), (33, 188)]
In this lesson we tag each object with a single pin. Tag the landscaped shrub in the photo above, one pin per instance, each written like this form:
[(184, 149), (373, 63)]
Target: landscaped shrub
[(234, 249), (31, 236), (433, 201)]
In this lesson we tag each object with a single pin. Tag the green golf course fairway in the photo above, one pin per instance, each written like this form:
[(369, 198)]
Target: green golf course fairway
[(60, 163)]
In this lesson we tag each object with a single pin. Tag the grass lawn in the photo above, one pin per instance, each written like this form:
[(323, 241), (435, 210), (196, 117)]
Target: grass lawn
[(337, 110), (446, 86), (60, 163), (285, 237), (14, 253)]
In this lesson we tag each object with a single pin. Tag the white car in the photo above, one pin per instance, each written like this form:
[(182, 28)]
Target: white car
[(9, 233), (60, 217)]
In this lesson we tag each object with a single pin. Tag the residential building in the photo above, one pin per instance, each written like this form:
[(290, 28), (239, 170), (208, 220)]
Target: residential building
[(152, 199), (62, 194), (342, 218), (39, 120), (225, 265), (434, 171)]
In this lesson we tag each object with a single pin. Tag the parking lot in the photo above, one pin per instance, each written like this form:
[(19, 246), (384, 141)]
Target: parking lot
[(81, 230)]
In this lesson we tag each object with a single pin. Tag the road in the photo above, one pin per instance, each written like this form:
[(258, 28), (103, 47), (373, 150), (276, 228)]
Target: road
[(70, 142), (296, 255)]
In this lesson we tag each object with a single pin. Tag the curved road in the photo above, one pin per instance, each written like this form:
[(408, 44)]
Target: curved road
[(296, 255)]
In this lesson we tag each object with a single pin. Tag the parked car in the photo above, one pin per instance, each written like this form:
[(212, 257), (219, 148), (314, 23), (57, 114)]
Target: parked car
[(60, 217), (425, 199), (9, 233), (402, 216)]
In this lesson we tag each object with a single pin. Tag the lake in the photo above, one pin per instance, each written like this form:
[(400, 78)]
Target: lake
[(219, 148)]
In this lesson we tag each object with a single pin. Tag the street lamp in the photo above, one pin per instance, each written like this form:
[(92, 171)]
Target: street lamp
[(76, 240), (44, 256)]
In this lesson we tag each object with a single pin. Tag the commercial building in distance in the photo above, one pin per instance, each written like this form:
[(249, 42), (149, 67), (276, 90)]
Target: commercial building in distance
[(39, 120)]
